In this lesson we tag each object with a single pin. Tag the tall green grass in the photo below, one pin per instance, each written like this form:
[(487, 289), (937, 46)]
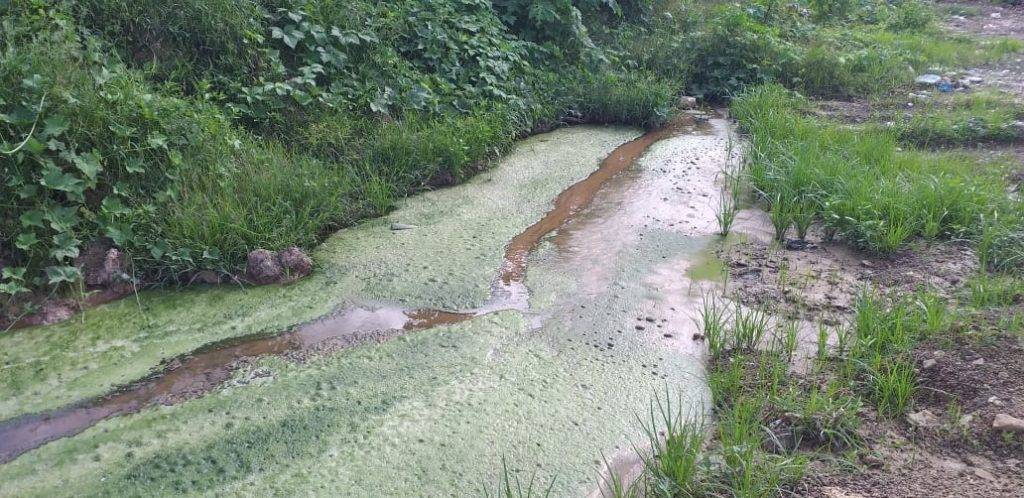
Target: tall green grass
[(858, 183), (965, 119)]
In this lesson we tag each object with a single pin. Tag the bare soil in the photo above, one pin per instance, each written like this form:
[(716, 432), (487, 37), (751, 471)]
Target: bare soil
[(972, 379), (822, 280), (994, 21)]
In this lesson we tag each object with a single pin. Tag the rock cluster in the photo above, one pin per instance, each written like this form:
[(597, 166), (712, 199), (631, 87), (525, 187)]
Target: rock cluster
[(269, 267)]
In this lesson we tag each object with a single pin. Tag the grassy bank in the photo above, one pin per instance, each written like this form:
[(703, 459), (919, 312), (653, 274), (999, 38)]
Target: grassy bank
[(860, 184)]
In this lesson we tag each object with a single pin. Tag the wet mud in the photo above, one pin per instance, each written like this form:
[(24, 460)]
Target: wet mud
[(199, 372)]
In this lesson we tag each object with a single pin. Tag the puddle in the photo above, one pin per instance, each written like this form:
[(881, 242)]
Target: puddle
[(199, 372)]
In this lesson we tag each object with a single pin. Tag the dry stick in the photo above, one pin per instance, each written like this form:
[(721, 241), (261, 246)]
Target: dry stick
[(30, 132)]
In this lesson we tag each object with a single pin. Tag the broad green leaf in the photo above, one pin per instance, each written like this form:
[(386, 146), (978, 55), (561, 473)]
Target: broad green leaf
[(134, 165), (26, 240), (13, 273), (158, 249), (89, 164), (32, 82), (32, 218), (59, 274), (65, 246), (175, 157), (157, 140), (112, 205), (12, 288), (28, 191), (62, 219), (55, 125), (120, 233), (55, 179)]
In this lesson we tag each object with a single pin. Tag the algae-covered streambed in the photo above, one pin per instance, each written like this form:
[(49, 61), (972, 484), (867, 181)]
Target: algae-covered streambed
[(549, 387)]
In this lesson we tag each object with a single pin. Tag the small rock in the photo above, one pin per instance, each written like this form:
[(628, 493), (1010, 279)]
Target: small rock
[(401, 226), (295, 262), (929, 363), (975, 80), (978, 362), (687, 102), (799, 245), (928, 79), (984, 474), (951, 465), (995, 401), (872, 461), (924, 419), (996, 15), (1007, 423), (262, 267), (102, 265), (867, 264), (938, 353)]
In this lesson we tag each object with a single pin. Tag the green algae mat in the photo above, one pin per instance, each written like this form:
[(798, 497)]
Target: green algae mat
[(551, 390)]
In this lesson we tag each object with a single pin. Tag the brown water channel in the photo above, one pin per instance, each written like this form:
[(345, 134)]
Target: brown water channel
[(199, 372)]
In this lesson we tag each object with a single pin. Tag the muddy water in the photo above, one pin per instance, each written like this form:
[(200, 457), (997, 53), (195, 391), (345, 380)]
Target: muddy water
[(609, 321)]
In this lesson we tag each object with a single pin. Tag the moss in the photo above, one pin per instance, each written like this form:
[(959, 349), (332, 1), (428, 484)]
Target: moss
[(44, 368), (456, 401)]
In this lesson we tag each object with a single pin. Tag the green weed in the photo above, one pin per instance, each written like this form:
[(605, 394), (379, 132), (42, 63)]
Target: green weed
[(749, 328), (963, 119), (713, 323), (510, 486), (988, 290), (864, 188)]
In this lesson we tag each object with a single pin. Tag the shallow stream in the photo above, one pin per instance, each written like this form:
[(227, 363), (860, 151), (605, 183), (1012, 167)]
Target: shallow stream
[(529, 316)]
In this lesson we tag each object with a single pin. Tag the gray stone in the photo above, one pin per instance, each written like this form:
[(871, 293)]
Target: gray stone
[(262, 267), (401, 226), (929, 363), (928, 79), (1007, 423), (102, 265), (295, 262), (923, 419), (984, 474), (687, 102)]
